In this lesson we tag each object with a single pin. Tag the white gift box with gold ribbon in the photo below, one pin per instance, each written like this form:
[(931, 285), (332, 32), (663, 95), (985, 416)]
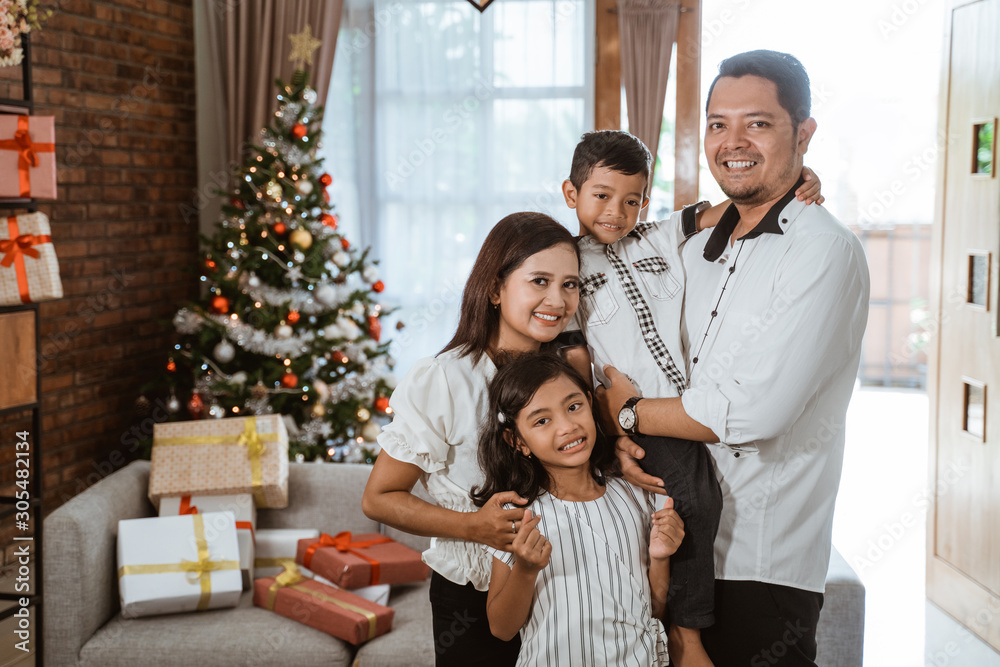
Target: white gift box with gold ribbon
[(178, 563), (276, 548), (221, 457)]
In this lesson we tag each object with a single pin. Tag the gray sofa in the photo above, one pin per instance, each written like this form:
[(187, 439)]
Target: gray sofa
[(83, 626)]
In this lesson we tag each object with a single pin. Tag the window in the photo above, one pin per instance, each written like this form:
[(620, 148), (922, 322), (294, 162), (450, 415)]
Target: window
[(457, 119)]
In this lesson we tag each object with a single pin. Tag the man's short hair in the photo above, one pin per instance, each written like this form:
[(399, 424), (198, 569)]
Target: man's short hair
[(616, 150), (783, 69)]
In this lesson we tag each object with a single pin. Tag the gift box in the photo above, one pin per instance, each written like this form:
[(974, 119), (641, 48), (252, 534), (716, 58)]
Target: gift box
[(221, 457), (378, 594), (178, 563), (27, 156), (276, 548), (241, 505), (354, 561), (29, 270), (330, 610)]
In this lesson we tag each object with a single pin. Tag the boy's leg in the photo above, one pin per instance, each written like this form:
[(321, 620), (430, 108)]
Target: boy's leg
[(462, 630), (763, 624)]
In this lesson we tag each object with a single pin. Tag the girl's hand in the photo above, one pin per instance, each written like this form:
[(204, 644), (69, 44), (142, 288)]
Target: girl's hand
[(667, 532), (809, 191), (493, 525), (530, 546)]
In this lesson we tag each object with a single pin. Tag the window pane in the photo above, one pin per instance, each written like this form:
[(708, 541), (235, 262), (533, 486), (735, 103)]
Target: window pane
[(533, 142), (539, 43)]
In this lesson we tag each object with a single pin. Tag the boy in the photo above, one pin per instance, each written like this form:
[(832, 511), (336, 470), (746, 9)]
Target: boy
[(631, 298)]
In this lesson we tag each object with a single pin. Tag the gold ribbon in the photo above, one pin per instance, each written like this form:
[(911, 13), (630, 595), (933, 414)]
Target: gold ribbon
[(291, 577), (200, 569), (249, 438)]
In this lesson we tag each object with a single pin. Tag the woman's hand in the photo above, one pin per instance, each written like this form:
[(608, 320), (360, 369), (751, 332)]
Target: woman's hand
[(495, 526), (667, 532), (530, 547), (809, 191)]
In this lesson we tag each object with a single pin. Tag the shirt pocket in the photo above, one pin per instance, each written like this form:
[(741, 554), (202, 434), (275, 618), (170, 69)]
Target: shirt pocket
[(659, 280), (598, 302)]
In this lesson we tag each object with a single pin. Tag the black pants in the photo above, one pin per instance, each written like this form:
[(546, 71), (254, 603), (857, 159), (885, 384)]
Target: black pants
[(689, 478), (763, 625), (462, 631)]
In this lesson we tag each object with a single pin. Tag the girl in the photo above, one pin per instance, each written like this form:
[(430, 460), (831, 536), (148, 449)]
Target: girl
[(521, 293), (586, 576)]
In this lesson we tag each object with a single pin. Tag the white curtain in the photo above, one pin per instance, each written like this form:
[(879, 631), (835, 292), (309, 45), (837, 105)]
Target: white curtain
[(457, 118)]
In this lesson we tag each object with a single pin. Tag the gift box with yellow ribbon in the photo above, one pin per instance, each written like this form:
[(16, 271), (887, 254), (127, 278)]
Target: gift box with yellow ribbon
[(221, 457), (276, 548), (178, 563), (330, 610), (29, 270), (27, 156), (354, 561), (241, 505)]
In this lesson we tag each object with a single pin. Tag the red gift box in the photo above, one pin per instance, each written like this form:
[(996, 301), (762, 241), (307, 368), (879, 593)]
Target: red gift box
[(27, 156), (335, 612), (354, 561)]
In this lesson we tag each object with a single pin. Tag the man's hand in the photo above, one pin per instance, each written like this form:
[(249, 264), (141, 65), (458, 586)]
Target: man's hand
[(628, 454), (611, 399)]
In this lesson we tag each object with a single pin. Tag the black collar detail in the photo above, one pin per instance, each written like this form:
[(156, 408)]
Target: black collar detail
[(769, 224)]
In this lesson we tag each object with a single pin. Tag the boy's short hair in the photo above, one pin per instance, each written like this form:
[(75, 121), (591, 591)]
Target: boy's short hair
[(785, 70), (614, 149)]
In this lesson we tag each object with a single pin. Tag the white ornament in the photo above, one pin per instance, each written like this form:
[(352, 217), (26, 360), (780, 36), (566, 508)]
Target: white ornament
[(304, 187), (309, 95), (349, 327), (283, 331), (358, 308), (370, 274), (341, 258), (217, 411), (332, 332), (370, 431), (253, 281), (327, 295), (322, 390), (239, 377), (224, 352)]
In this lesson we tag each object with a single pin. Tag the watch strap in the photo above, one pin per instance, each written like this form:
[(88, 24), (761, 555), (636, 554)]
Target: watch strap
[(689, 218)]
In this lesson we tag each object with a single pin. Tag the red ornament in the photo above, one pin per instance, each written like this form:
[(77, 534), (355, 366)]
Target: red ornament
[(374, 327), (326, 196), (339, 357), (195, 406), (326, 180), (378, 286), (280, 228), (381, 403), (329, 220), (292, 317), (238, 203), (210, 264), (171, 366), (289, 380), (345, 244), (220, 304), (299, 130)]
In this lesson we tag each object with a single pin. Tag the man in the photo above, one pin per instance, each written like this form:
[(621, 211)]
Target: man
[(775, 309)]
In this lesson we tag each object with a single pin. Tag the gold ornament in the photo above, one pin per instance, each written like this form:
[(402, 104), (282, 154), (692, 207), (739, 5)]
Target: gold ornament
[(258, 390), (370, 431), (303, 45), (364, 415), (319, 410), (273, 190), (301, 237)]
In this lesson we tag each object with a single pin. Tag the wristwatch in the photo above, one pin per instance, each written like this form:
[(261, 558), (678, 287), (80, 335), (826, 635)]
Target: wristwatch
[(627, 417)]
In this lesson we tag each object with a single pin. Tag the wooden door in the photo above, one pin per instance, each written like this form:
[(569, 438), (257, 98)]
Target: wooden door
[(963, 536)]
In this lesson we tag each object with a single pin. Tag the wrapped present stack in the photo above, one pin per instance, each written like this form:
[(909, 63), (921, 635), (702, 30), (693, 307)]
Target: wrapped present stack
[(208, 479)]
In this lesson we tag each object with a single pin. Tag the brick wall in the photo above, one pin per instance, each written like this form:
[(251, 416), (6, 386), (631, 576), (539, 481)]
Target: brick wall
[(119, 78)]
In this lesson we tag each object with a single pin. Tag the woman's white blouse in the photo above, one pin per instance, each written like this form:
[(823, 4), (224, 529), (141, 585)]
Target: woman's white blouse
[(437, 409)]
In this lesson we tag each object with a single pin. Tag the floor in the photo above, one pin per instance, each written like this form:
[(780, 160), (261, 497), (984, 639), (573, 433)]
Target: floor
[(880, 528)]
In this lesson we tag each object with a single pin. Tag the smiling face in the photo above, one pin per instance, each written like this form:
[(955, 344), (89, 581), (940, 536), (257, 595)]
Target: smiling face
[(608, 203), (537, 299), (557, 425), (753, 149)]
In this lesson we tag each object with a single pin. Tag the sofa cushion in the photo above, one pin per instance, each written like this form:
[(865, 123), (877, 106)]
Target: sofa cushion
[(322, 496), (411, 641), (246, 635)]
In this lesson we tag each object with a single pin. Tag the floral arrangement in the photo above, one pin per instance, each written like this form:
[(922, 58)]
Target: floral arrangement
[(18, 17)]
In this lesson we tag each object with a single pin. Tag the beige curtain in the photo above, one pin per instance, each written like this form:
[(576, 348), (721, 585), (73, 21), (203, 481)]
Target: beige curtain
[(648, 29), (249, 48)]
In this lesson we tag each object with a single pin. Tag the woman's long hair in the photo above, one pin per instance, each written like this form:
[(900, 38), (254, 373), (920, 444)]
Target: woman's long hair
[(511, 241), (504, 467)]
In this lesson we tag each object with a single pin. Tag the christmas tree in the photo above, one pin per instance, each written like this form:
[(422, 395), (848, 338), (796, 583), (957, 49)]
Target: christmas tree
[(291, 325)]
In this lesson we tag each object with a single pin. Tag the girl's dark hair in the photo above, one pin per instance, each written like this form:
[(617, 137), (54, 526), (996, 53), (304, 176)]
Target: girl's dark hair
[(504, 467), (511, 241)]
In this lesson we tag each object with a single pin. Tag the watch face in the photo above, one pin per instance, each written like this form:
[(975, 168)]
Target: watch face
[(626, 418)]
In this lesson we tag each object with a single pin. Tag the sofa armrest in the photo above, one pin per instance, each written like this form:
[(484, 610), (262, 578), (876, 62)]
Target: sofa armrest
[(80, 537), (840, 634)]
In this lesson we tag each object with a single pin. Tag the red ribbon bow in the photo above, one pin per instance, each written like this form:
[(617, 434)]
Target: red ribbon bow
[(27, 153), (187, 508), (342, 542), (15, 248)]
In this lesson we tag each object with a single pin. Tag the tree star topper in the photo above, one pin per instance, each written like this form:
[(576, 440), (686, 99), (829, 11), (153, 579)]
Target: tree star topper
[(303, 45)]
